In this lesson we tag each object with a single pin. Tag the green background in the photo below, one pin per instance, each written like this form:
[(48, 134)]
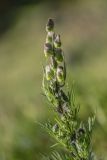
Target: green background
[(83, 28)]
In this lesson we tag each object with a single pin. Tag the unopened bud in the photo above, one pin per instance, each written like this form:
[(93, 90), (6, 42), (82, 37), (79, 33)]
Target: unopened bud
[(60, 110), (48, 49), (60, 74), (50, 25), (65, 108), (81, 131), (55, 128), (49, 37), (59, 55), (57, 41), (49, 73), (54, 35), (73, 137), (53, 62)]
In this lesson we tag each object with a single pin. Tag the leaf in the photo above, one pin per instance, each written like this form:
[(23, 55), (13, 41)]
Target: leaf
[(91, 123), (54, 145), (57, 156)]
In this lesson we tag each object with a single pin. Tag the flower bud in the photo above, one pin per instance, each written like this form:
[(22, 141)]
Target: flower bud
[(81, 131), (65, 108), (60, 74), (49, 73), (73, 137), (48, 50), (55, 128), (59, 55), (59, 109), (53, 62), (50, 25), (54, 35), (49, 37), (57, 41)]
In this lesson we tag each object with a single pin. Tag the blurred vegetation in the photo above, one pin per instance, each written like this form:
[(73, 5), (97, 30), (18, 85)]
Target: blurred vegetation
[(83, 27)]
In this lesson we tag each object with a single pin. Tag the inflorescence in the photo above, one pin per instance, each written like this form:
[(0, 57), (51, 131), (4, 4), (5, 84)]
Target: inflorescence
[(68, 130)]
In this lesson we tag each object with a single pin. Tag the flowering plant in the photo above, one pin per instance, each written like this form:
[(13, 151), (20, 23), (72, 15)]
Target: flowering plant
[(73, 134)]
